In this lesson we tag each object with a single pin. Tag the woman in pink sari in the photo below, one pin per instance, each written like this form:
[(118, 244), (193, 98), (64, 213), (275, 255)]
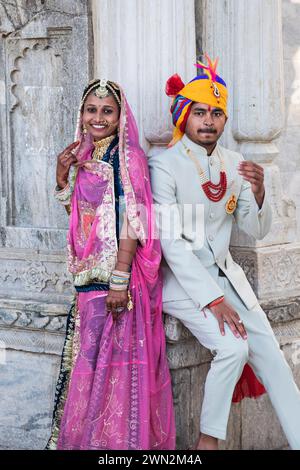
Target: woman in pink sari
[(114, 388)]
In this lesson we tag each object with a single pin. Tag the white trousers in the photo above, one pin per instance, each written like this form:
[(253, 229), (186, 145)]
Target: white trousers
[(260, 350)]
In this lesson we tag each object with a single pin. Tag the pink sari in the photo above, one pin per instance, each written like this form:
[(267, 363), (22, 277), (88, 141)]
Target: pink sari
[(117, 392)]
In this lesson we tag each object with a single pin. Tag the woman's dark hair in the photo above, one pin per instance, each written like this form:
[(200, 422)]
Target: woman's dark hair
[(111, 87)]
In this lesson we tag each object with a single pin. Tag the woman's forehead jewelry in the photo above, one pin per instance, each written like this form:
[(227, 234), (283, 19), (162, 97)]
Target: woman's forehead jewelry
[(102, 90)]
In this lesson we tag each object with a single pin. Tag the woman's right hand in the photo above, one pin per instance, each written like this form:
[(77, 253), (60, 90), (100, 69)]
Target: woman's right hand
[(64, 161), (116, 302)]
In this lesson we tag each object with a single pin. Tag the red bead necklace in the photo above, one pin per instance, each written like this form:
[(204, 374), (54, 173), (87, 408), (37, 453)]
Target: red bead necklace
[(214, 192)]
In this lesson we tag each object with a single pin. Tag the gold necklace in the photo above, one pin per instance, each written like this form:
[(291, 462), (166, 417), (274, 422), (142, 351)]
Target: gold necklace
[(101, 147)]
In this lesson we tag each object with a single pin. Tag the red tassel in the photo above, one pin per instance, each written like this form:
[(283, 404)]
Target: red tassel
[(174, 85), (248, 386)]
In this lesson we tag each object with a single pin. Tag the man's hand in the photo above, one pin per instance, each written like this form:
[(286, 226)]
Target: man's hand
[(225, 313), (253, 173)]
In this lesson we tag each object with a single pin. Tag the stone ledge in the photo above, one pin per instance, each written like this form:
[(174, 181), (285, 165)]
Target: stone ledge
[(26, 315), (188, 353), (282, 309), (39, 342)]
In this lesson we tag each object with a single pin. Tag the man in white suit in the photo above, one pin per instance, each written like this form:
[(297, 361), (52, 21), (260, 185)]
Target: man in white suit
[(203, 287)]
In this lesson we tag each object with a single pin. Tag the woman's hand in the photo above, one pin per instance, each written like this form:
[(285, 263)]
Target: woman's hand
[(64, 161), (116, 300)]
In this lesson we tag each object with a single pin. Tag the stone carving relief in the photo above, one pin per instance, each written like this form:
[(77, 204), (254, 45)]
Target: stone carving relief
[(281, 271), (39, 117), (278, 268), (15, 14), (35, 277)]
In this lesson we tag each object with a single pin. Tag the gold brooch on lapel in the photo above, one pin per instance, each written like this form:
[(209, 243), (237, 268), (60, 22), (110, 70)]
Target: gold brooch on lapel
[(231, 204)]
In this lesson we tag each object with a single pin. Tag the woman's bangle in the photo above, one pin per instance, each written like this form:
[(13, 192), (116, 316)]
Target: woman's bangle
[(122, 274), (63, 195), (119, 280), (216, 302)]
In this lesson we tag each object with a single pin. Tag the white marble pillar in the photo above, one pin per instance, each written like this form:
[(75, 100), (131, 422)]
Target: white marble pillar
[(247, 37), (140, 43)]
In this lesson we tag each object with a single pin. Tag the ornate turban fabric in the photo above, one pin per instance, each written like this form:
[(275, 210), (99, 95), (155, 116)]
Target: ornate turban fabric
[(208, 88)]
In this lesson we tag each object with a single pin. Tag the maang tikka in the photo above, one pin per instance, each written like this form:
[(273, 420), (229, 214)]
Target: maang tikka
[(102, 90)]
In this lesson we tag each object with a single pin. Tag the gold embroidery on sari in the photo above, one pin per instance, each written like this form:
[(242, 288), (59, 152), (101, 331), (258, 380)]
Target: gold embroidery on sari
[(87, 217), (97, 266), (131, 204), (66, 367)]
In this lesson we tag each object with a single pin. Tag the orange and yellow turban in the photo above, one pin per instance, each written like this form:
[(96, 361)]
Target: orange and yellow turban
[(208, 88)]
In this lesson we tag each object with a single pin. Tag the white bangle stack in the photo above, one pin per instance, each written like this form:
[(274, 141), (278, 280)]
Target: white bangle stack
[(119, 280), (63, 195)]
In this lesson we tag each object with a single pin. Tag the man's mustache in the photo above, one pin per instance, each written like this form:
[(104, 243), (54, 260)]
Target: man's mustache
[(207, 131)]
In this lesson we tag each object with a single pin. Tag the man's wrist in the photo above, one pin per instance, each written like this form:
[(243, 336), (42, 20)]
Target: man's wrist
[(259, 197), (216, 302)]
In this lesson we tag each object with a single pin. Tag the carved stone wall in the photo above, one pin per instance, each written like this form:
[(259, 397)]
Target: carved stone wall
[(46, 60)]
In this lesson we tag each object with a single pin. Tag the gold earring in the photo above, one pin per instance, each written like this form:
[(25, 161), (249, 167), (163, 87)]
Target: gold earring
[(84, 130)]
